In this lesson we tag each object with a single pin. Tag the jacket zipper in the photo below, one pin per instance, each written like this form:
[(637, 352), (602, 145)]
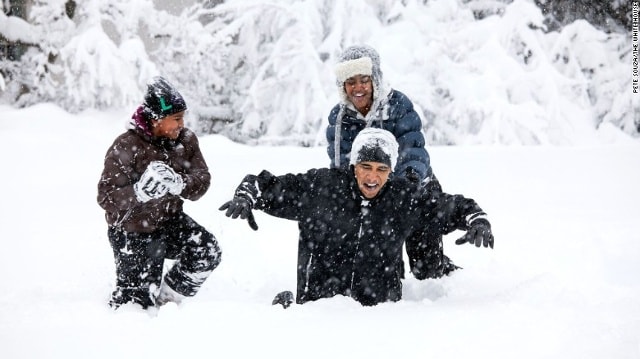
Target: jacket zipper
[(306, 282), (365, 203)]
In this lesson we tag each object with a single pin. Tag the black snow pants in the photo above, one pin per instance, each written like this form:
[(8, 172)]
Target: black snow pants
[(424, 247), (139, 259), (426, 258)]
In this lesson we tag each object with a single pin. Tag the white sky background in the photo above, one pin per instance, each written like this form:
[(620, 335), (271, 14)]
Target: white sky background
[(560, 283)]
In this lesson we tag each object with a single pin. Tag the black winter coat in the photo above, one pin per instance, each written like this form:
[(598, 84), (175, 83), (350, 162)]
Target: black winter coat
[(349, 245)]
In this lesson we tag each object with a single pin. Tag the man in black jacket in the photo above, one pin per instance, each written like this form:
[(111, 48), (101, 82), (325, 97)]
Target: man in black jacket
[(353, 222)]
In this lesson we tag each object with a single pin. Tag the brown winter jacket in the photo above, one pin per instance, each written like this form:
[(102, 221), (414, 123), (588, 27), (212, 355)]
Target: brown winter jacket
[(127, 159)]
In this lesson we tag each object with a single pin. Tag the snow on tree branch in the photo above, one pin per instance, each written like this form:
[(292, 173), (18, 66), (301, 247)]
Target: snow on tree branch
[(478, 71)]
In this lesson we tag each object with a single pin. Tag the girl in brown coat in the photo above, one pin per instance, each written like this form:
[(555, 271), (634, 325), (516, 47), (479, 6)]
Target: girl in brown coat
[(148, 170)]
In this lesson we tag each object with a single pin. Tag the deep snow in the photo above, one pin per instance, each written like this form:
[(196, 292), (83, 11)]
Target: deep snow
[(560, 283)]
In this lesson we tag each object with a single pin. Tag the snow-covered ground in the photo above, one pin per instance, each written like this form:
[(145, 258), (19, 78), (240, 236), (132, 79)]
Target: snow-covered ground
[(562, 281)]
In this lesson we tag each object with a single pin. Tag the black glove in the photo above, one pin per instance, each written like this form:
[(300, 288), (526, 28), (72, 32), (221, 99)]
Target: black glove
[(283, 298), (240, 206), (479, 233), (412, 175)]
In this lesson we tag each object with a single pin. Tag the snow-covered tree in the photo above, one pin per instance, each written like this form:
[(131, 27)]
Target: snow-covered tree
[(607, 15), (478, 71), (105, 63), (16, 34), (268, 70)]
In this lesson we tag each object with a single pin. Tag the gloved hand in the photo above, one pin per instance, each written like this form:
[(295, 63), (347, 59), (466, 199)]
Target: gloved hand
[(150, 185), (173, 181), (479, 232), (285, 299), (412, 175), (240, 206)]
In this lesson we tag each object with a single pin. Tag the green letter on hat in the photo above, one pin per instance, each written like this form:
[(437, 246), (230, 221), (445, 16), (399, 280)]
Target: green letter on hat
[(163, 105)]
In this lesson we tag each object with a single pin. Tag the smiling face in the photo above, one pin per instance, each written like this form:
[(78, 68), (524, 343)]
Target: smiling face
[(359, 90), (371, 177), (169, 126)]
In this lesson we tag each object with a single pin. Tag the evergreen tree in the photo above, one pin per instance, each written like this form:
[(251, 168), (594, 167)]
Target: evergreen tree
[(610, 16)]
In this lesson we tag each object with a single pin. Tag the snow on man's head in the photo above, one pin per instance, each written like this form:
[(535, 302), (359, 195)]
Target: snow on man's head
[(375, 145), (162, 99)]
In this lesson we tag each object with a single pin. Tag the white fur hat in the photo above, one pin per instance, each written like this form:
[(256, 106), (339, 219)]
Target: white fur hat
[(350, 68)]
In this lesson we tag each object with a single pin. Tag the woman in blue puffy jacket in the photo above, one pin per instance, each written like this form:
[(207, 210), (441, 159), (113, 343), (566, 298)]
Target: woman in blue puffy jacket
[(366, 100)]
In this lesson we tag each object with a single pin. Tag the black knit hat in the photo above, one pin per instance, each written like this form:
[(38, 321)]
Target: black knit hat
[(374, 145), (373, 154), (162, 99)]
